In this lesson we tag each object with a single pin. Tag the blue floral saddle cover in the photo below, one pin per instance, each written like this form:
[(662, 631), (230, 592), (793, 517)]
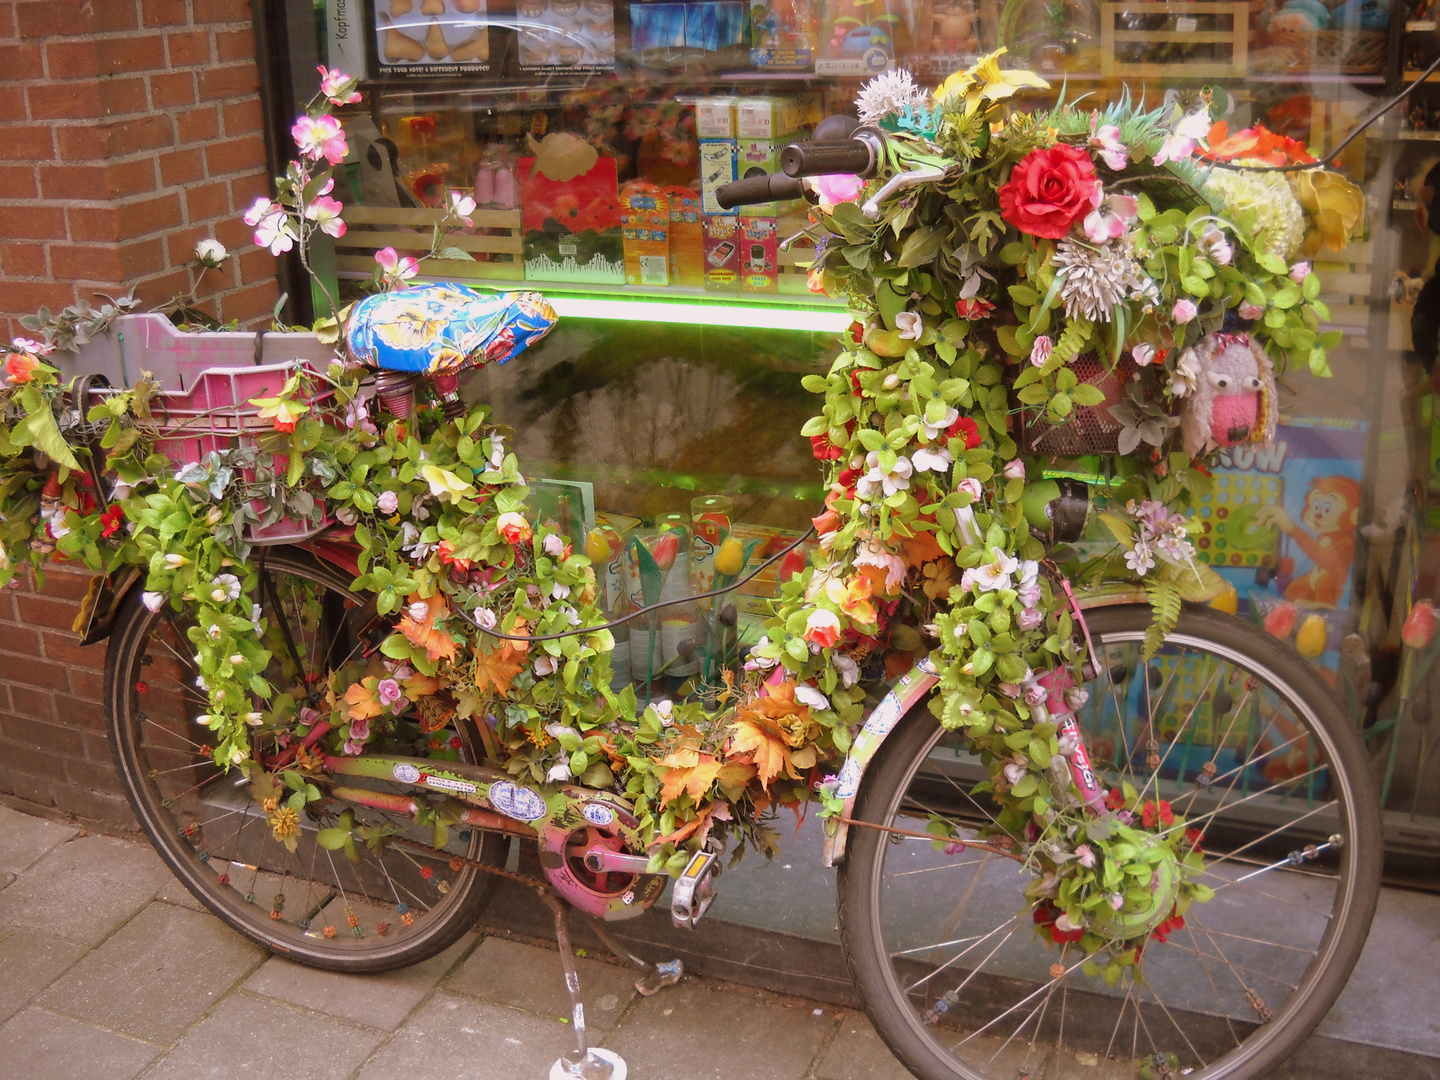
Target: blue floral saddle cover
[(439, 328)]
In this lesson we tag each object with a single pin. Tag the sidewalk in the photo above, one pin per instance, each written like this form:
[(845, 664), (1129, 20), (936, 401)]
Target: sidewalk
[(109, 968)]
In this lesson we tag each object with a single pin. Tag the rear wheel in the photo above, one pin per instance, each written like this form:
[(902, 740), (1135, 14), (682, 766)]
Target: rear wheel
[(368, 908), (1240, 736)]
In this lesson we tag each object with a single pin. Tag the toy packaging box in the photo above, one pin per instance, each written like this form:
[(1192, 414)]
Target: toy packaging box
[(784, 35), (717, 167), (442, 38), (857, 38), (713, 27), (645, 229), (571, 218), (565, 35), (723, 242), (759, 255), (687, 238)]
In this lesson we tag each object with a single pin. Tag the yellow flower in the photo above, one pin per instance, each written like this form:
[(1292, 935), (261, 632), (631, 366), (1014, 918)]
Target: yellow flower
[(285, 826), (1333, 207), (445, 485), (984, 83), (730, 558)]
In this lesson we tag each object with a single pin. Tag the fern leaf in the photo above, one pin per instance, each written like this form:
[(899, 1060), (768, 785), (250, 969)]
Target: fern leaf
[(1165, 605), (1073, 340)]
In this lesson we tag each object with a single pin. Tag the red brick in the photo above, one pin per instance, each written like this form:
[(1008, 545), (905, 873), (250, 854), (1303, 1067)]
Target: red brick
[(234, 80), (66, 648), (72, 59), (12, 103), (207, 201), (26, 143), (256, 266), (32, 759), (33, 295), (19, 639), (22, 260), (181, 167), (188, 48), (21, 62), (180, 245), (94, 182), (42, 611), (64, 582), (159, 290), (244, 190), (235, 155), (243, 117), (39, 673), (235, 45), (92, 775), (208, 11), (116, 138), (234, 233), (31, 222), (164, 13), (17, 182), (108, 224), (68, 18), (107, 262), (89, 685), (82, 100), (28, 730), (175, 88), (197, 125)]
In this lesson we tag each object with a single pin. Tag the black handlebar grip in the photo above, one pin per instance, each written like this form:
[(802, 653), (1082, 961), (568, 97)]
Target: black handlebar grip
[(853, 156), (751, 190)]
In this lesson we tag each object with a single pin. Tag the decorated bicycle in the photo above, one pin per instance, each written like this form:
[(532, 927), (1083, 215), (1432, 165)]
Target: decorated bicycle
[(1085, 824)]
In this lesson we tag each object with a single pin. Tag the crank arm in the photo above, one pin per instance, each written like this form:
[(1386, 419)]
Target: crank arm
[(602, 860)]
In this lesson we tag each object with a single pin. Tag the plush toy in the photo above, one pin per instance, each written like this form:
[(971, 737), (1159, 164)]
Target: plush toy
[(1231, 397)]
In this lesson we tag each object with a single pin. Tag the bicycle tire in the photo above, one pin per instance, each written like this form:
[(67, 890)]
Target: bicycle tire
[(911, 1028), (341, 919)]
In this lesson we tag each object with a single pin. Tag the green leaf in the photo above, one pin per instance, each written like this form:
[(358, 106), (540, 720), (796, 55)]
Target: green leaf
[(1024, 295), (45, 434), (332, 839)]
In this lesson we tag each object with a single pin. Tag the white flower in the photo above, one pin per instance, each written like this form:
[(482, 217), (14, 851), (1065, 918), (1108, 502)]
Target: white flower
[(996, 573), (225, 587), (1096, 279), (559, 591), (497, 451), (933, 431), (1139, 558), (896, 479), (1142, 354), (665, 708), (1029, 618), (888, 93), (175, 561), (485, 618), (545, 666), (388, 502), (211, 253), (1106, 141), (927, 460), (346, 515), (1214, 244), (213, 631), (559, 772), (418, 612), (254, 719), (808, 695), (968, 526), (1014, 773), (1184, 311), (1299, 272), (236, 659), (1181, 143), (909, 325), (1183, 378), (1064, 924), (152, 600), (848, 670), (554, 546), (1086, 856)]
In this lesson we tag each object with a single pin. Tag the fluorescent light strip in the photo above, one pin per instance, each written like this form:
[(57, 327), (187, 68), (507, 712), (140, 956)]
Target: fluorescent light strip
[(738, 315)]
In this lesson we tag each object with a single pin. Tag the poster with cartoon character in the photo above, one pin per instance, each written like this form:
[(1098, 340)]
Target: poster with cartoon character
[(1281, 527)]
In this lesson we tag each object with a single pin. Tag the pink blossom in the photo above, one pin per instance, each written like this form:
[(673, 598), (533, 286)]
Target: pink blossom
[(1014, 470), (1143, 353), (1111, 217), (274, 231), (325, 212), (388, 502), (1030, 618), (1106, 142), (39, 348), (837, 188), (333, 85), (462, 206), (1085, 854), (1041, 350), (971, 487), (388, 691), (397, 270), (1250, 311), (1185, 310), (320, 136), (260, 210), (1299, 271), (360, 729), (1181, 143)]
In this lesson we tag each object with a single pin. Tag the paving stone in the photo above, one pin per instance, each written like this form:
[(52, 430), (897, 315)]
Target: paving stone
[(84, 890), (39, 1045), (382, 1000), (455, 1036), (195, 957), (858, 1054), (532, 979), (259, 1039), (717, 1032), (29, 963), (24, 840)]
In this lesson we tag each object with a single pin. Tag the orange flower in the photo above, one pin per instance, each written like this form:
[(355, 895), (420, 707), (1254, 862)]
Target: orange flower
[(20, 367), (822, 628), (513, 527), (856, 601)]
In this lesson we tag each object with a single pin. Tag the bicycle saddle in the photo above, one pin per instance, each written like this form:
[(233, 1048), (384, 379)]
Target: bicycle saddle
[(444, 328)]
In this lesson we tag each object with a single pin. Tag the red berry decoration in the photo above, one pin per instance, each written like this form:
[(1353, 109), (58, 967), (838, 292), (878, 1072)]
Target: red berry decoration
[(427, 872), (142, 687)]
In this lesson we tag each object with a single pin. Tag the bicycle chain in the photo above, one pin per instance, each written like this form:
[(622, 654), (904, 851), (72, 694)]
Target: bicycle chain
[(498, 871)]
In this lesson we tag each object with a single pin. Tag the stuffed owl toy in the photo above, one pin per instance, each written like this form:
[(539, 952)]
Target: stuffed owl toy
[(1231, 398)]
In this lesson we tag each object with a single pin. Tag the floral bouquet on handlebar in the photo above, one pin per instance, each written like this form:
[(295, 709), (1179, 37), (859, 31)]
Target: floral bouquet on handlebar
[(1065, 269)]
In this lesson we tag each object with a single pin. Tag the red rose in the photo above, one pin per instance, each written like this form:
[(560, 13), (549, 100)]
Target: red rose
[(973, 308), (823, 448), (966, 428), (1049, 191)]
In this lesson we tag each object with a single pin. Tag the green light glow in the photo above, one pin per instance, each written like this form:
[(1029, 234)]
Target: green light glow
[(737, 315)]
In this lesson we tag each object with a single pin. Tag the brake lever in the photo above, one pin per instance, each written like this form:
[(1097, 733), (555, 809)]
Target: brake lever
[(897, 183)]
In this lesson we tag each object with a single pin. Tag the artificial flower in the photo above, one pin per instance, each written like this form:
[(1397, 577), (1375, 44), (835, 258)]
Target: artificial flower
[(1049, 191), (152, 600), (822, 628), (325, 212), (1142, 354), (1248, 310), (1096, 278), (888, 94), (973, 307), (1181, 143), (1184, 311), (909, 325), (462, 206), (995, 574), (1216, 246), (444, 484), (965, 428), (1111, 217), (320, 136), (1040, 351), (211, 253), (835, 189), (1335, 207), (387, 502), (513, 527), (224, 588), (20, 367), (1106, 141), (397, 271), (892, 480), (111, 521), (928, 460), (337, 87)]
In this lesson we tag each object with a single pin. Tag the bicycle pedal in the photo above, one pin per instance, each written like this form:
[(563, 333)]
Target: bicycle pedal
[(694, 890)]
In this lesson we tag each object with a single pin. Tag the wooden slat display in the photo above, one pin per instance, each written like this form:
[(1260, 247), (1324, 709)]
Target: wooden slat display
[(496, 242), (1237, 37)]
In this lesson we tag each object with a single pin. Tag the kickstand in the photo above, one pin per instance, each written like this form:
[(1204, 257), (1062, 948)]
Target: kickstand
[(584, 1062), (656, 977)]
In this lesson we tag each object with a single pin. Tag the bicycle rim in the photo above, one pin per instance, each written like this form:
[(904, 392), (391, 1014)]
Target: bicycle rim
[(959, 980), (355, 907)]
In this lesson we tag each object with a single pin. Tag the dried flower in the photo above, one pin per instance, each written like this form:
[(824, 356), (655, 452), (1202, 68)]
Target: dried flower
[(887, 94), (1096, 279)]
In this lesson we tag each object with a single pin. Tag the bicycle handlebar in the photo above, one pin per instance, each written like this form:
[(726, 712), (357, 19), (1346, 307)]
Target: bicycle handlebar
[(761, 188), (857, 156)]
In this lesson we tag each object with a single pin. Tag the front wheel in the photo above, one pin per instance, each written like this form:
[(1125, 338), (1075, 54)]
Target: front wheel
[(386, 899), (1239, 736)]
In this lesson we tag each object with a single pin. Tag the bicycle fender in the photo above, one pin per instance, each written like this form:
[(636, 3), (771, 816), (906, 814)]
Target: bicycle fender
[(907, 692)]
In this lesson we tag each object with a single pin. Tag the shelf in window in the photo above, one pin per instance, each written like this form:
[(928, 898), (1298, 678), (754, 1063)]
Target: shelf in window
[(1419, 26), (1411, 76), (1420, 136), (1404, 204)]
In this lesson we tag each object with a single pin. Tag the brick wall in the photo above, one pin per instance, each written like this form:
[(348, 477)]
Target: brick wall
[(129, 130)]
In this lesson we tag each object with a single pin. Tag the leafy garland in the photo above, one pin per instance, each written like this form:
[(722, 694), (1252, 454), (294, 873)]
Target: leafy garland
[(926, 548)]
